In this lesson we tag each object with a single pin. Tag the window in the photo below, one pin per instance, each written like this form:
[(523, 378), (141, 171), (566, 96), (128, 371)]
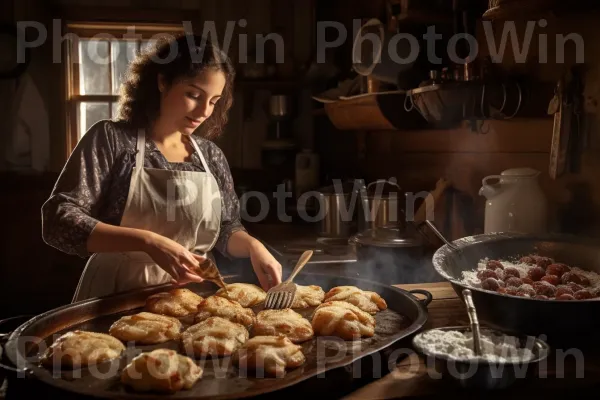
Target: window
[(98, 59)]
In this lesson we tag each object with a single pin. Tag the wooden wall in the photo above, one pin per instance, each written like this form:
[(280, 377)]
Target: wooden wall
[(418, 158)]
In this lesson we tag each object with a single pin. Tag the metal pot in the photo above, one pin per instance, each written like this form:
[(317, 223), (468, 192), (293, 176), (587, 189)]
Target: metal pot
[(352, 207), (391, 254), (383, 207), (338, 214), (279, 106)]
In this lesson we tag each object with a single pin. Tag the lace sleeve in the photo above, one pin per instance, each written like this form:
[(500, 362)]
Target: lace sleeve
[(68, 216)]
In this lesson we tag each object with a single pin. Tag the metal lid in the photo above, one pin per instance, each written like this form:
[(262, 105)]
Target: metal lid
[(386, 237), (338, 189), (518, 172)]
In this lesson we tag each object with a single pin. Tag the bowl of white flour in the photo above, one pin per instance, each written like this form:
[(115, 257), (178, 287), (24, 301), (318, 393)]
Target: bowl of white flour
[(505, 359)]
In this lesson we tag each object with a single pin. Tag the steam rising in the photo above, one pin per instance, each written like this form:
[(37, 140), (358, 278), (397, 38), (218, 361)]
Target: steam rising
[(391, 266)]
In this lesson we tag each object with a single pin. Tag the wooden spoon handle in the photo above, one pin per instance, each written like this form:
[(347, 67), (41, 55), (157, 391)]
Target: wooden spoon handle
[(300, 264)]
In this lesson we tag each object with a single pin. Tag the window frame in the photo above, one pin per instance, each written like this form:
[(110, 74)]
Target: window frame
[(88, 30)]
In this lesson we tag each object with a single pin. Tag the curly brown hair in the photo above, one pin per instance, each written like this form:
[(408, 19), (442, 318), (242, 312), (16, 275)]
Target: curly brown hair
[(176, 58)]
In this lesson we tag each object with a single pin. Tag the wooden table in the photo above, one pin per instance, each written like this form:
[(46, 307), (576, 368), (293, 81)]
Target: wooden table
[(412, 379)]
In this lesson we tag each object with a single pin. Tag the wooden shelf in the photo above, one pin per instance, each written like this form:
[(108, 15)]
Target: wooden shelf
[(373, 112)]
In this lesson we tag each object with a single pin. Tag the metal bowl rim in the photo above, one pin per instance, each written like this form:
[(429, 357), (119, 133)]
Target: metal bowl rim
[(445, 251)]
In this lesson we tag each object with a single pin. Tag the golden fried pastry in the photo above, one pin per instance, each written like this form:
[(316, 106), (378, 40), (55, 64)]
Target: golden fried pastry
[(308, 296), (146, 328), (215, 336), (161, 370), (342, 319), (217, 306), (367, 301), (177, 303), (286, 322), (271, 354), (81, 348), (209, 271), (246, 294)]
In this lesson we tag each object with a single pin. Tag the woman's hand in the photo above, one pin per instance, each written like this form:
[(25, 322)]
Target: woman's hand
[(265, 265), (172, 257)]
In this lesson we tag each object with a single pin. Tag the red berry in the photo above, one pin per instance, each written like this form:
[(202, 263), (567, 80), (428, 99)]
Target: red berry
[(565, 297), (536, 273), (511, 272), (542, 262), (551, 279), (511, 290), (494, 265), (514, 282), (564, 290), (544, 288), (570, 277), (527, 281), (486, 273), (583, 295), (541, 297), (526, 291), (557, 269), (575, 287), (490, 284)]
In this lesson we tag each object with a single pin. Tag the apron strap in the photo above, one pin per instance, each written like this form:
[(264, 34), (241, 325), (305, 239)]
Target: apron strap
[(141, 149), (204, 164)]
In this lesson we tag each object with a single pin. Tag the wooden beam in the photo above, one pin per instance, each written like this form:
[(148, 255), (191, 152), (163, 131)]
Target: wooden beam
[(523, 135)]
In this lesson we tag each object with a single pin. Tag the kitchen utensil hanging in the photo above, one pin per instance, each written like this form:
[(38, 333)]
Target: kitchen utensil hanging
[(566, 107), (446, 105), (376, 58)]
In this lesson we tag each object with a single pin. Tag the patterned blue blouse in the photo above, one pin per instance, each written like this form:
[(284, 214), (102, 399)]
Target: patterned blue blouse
[(94, 184)]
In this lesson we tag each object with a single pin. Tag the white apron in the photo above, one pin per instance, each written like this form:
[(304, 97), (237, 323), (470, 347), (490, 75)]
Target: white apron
[(184, 206)]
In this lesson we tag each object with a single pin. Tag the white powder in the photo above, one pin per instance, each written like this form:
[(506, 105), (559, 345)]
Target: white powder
[(459, 346), (469, 278)]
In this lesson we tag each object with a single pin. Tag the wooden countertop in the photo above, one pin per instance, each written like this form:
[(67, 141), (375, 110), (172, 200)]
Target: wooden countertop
[(411, 378)]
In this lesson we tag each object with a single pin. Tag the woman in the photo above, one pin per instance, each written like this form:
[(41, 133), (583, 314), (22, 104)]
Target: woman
[(143, 194)]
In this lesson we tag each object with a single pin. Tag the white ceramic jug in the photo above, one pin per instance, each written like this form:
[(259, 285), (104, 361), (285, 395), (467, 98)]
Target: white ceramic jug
[(516, 203)]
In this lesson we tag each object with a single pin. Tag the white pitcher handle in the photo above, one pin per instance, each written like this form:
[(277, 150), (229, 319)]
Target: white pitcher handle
[(383, 181), (489, 178)]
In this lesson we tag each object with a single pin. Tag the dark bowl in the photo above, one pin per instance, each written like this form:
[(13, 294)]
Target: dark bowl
[(564, 324), (483, 374)]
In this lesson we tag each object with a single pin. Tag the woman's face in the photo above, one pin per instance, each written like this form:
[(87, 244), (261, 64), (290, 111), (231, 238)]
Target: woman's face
[(186, 104)]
